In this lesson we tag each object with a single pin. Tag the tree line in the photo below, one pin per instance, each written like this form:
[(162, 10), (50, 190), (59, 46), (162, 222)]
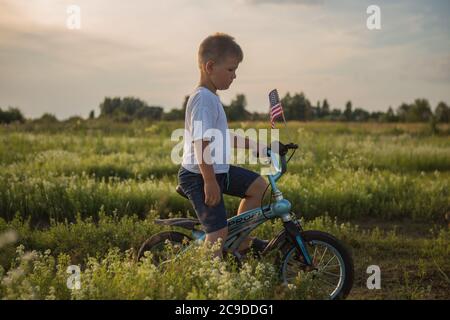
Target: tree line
[(295, 107)]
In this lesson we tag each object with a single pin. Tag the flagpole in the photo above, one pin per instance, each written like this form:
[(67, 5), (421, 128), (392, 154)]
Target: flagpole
[(274, 99)]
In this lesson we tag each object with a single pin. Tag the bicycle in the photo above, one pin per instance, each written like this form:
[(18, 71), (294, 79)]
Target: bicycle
[(293, 244)]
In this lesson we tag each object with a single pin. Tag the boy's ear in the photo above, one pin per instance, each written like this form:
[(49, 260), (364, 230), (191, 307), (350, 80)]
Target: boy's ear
[(209, 66)]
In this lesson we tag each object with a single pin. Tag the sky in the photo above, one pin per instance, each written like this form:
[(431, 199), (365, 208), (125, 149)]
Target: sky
[(148, 49)]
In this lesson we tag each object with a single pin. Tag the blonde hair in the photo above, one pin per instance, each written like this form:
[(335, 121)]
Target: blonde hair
[(217, 47)]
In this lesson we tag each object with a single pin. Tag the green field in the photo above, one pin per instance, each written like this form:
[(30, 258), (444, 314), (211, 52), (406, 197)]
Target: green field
[(87, 194)]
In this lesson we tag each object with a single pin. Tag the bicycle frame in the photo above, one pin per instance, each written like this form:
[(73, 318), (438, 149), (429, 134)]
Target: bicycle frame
[(240, 226)]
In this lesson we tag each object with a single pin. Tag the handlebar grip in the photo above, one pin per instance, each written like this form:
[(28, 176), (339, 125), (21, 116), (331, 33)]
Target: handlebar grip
[(292, 146), (283, 148)]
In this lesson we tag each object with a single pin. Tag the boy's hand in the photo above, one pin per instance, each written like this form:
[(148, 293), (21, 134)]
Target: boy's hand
[(211, 187), (212, 193)]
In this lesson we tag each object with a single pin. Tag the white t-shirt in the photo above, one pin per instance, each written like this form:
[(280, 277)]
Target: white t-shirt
[(205, 119)]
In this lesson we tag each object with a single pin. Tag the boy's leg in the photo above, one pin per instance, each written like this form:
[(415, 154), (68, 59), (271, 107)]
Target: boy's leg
[(249, 186), (212, 237), (213, 219), (252, 200), (253, 195)]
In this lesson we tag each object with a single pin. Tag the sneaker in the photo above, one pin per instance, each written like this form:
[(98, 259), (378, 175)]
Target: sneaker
[(258, 245)]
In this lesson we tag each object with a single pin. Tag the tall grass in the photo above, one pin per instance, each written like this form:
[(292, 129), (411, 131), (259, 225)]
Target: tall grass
[(365, 171), (342, 192), (411, 268)]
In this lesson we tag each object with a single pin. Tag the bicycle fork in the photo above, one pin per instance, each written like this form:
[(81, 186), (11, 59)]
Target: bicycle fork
[(294, 234), (293, 230)]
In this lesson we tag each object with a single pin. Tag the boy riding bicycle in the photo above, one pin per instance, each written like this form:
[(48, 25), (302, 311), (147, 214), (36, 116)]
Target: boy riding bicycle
[(203, 180)]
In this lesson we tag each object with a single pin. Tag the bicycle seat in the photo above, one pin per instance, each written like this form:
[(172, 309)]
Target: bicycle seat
[(180, 191)]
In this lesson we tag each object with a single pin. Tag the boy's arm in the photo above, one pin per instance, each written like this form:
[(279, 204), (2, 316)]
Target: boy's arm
[(247, 143), (211, 187)]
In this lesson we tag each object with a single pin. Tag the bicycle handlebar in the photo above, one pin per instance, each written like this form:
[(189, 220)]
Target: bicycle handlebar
[(282, 151)]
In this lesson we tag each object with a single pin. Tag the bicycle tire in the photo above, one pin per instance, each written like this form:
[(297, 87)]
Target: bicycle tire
[(310, 237), (160, 239)]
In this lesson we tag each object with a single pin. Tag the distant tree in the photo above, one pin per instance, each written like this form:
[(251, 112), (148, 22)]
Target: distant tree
[(418, 111), (336, 114), (422, 109), (325, 108), (348, 111), (128, 109), (74, 120), (236, 110), (360, 115), (286, 102), (318, 111), (442, 112), (115, 104), (377, 116), (92, 114), (403, 112), (432, 122), (304, 105), (11, 115), (174, 114), (387, 116), (146, 112), (108, 106), (48, 117), (131, 105), (297, 107), (255, 116), (3, 117), (390, 116)]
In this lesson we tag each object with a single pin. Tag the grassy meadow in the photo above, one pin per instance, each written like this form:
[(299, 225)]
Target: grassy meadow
[(86, 193)]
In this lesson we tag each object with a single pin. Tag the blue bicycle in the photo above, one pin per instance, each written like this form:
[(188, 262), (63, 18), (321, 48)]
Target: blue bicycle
[(316, 252)]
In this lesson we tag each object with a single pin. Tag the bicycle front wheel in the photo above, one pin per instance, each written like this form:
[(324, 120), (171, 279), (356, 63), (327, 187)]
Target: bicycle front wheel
[(332, 272)]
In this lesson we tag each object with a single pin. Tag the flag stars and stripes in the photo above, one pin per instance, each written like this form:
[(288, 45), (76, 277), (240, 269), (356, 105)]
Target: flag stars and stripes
[(276, 110)]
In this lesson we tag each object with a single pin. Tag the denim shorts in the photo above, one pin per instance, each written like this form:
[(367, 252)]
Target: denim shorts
[(234, 183)]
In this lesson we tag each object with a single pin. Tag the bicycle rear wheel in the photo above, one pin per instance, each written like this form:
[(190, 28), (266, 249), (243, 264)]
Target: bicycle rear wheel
[(332, 271), (157, 245)]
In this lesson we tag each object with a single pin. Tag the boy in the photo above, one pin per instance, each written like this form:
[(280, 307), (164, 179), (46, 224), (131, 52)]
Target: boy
[(202, 180)]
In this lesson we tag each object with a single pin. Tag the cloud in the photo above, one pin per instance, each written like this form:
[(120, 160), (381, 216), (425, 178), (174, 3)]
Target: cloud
[(52, 69), (149, 51)]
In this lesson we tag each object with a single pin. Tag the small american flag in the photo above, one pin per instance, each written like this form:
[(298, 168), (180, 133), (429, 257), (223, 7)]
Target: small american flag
[(276, 110)]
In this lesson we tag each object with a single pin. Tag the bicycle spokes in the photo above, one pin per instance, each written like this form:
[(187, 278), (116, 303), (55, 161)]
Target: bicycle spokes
[(327, 271)]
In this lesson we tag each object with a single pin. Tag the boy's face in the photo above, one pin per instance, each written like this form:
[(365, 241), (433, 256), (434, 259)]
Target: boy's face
[(222, 74)]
